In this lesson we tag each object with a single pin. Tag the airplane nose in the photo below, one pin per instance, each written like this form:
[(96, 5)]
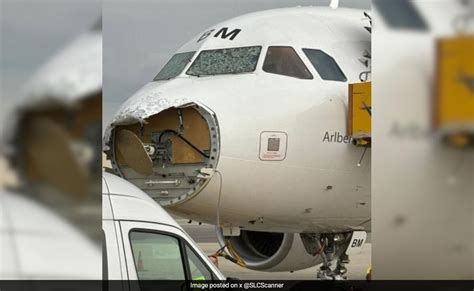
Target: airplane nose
[(170, 154)]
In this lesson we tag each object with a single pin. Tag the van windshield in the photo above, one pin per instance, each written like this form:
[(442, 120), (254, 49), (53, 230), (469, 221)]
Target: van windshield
[(225, 61)]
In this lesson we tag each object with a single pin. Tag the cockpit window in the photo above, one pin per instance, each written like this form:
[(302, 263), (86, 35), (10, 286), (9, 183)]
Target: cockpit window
[(225, 61), (325, 65), (284, 60), (174, 66)]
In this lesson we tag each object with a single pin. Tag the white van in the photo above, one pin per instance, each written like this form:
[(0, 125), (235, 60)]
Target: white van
[(143, 242)]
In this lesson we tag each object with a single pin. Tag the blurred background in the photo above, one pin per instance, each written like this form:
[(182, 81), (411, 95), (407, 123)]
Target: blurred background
[(51, 96), (423, 128)]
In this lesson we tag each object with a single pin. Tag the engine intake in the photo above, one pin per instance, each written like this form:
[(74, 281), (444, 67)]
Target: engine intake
[(269, 251)]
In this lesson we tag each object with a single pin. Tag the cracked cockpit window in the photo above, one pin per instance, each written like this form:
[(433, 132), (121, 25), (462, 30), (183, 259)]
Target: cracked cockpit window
[(225, 61), (174, 66)]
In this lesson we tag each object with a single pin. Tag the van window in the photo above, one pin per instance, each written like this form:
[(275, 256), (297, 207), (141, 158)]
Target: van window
[(157, 256), (174, 66), (325, 65), (199, 271), (225, 61), (283, 60)]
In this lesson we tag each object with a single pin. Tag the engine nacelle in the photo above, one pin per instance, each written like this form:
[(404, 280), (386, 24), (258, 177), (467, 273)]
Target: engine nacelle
[(271, 252)]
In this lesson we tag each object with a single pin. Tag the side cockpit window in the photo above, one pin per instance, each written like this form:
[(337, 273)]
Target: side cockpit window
[(325, 65), (285, 61), (174, 66), (225, 61)]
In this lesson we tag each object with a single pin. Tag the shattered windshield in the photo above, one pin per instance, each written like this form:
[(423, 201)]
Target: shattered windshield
[(174, 66), (225, 61)]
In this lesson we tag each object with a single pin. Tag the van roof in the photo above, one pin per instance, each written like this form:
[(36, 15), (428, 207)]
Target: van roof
[(128, 202)]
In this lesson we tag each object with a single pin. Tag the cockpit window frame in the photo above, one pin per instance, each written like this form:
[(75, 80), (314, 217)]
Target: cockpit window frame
[(199, 52), (341, 71), (297, 53), (190, 60)]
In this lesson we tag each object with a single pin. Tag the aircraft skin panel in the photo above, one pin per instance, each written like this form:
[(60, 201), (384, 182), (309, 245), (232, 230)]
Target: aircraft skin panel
[(299, 202), (283, 26)]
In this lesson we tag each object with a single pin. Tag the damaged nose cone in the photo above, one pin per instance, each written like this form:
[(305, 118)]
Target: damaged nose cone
[(130, 148), (170, 155), (49, 157)]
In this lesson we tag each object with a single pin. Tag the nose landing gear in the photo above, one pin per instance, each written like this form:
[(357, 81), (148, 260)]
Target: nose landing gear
[(333, 270), (332, 249)]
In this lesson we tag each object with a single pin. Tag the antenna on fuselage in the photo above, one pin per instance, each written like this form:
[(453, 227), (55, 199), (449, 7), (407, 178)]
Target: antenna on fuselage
[(334, 4)]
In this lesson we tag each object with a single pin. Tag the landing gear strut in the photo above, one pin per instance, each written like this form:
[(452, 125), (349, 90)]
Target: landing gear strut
[(331, 248), (333, 270)]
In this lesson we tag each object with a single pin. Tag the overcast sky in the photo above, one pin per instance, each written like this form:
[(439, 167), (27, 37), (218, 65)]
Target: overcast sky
[(140, 36), (30, 32)]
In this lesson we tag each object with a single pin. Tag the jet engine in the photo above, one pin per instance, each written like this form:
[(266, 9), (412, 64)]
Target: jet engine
[(271, 252)]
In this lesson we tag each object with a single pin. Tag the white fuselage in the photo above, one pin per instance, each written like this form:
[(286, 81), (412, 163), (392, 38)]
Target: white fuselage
[(317, 186)]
